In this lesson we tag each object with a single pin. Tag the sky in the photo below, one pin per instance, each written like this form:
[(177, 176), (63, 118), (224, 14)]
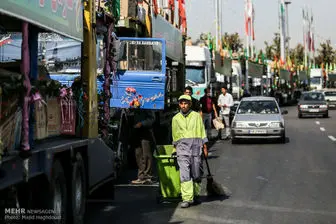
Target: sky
[(201, 18)]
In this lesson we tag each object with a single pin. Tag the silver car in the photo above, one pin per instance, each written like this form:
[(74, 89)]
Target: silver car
[(258, 118)]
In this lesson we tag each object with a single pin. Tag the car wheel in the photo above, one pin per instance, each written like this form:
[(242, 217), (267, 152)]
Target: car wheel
[(299, 115), (326, 115)]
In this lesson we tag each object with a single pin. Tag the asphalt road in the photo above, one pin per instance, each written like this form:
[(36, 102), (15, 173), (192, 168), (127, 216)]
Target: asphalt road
[(271, 183)]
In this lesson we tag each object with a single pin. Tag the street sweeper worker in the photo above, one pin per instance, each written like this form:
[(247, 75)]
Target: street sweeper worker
[(189, 140)]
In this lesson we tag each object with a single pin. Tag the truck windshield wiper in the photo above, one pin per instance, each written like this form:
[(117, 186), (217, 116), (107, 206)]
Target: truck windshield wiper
[(192, 82)]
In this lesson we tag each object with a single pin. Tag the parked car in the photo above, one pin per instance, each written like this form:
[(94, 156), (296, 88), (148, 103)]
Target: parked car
[(233, 110), (313, 103), (330, 96), (258, 118)]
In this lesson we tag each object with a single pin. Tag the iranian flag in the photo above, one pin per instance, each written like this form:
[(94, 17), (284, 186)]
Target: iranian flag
[(248, 17)]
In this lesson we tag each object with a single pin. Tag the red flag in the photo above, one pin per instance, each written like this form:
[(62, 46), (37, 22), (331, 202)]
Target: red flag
[(309, 41), (172, 4), (182, 15), (156, 9), (313, 43)]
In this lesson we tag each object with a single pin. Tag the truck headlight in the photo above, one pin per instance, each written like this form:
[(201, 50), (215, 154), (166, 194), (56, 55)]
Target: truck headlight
[(304, 106), (324, 106), (275, 125)]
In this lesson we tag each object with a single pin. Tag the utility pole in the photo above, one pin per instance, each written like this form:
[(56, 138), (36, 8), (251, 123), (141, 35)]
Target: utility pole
[(247, 5), (217, 24), (304, 35), (282, 31), (287, 24)]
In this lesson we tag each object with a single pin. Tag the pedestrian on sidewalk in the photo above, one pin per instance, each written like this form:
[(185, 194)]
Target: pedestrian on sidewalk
[(195, 104), (189, 138), (208, 108), (225, 102), (142, 140)]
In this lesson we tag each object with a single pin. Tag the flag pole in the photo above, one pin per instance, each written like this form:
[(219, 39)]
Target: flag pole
[(247, 46)]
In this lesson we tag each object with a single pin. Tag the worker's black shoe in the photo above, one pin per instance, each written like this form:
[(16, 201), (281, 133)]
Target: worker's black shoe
[(186, 204)]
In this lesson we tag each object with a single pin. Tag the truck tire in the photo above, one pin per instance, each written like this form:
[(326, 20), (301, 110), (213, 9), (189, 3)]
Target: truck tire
[(78, 190), (57, 199)]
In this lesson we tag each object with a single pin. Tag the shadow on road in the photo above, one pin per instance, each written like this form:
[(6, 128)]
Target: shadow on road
[(133, 203), (261, 142), (130, 204)]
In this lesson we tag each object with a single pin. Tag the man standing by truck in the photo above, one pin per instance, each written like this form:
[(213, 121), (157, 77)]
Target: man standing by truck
[(189, 138), (208, 108), (225, 101), (142, 141), (195, 104)]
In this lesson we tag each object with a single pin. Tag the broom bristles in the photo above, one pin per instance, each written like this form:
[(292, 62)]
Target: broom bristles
[(216, 189)]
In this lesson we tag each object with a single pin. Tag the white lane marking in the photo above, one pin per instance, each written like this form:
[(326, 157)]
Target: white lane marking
[(322, 128), (317, 122), (269, 208), (188, 214), (332, 138)]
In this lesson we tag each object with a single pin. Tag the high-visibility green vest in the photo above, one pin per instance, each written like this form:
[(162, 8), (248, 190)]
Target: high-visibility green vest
[(188, 127)]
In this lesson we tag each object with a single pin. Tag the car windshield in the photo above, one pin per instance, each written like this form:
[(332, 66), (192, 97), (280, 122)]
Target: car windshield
[(258, 107), (313, 96), (330, 93)]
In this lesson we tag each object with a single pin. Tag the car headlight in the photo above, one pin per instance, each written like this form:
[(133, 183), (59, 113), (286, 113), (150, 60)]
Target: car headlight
[(304, 106), (275, 125), (323, 106), (239, 125)]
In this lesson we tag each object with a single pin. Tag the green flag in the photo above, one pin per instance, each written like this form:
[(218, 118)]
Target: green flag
[(210, 45)]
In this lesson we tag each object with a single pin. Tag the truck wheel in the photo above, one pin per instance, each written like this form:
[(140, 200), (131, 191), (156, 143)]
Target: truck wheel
[(78, 190), (58, 193)]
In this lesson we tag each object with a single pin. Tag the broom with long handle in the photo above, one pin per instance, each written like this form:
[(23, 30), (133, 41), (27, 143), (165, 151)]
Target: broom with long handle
[(214, 188)]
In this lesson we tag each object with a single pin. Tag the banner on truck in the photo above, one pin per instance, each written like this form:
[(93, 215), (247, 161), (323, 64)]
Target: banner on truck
[(61, 16), (161, 28), (284, 74), (223, 66), (255, 70)]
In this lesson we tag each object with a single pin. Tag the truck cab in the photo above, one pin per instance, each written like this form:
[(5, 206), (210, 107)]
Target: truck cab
[(198, 69), (141, 74), (236, 80), (316, 81)]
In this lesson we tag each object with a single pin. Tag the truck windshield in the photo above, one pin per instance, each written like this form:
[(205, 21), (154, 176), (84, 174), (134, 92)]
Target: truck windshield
[(195, 75), (140, 55), (315, 80)]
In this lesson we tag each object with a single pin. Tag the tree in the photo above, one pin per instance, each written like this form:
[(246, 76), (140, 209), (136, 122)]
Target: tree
[(273, 50), (297, 54), (269, 51), (232, 42), (326, 53), (261, 56)]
